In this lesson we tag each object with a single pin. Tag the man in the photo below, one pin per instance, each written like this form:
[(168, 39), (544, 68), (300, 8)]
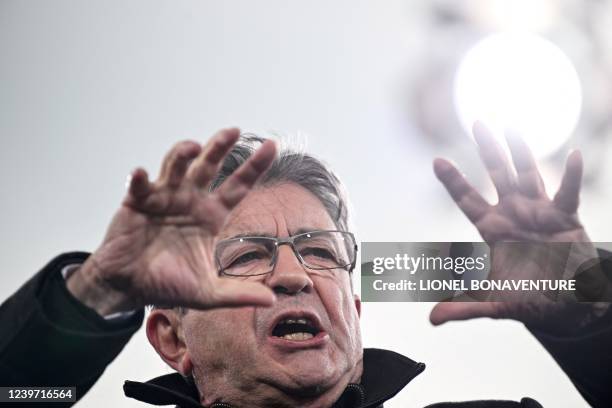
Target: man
[(248, 259)]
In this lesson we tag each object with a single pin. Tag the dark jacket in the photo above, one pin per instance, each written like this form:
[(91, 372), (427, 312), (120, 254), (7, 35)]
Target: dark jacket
[(46, 335)]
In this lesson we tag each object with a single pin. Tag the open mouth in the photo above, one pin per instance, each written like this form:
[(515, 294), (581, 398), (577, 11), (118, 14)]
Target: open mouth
[(296, 329)]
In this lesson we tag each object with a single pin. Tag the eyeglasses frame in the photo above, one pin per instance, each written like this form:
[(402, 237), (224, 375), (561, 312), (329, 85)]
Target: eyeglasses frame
[(289, 241)]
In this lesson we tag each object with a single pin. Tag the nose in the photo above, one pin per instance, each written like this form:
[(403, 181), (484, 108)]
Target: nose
[(289, 275)]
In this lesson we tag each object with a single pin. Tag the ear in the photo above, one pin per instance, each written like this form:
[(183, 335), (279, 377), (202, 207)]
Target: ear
[(165, 334), (357, 304)]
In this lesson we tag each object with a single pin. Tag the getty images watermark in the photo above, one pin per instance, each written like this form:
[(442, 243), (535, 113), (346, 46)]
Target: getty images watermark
[(473, 271)]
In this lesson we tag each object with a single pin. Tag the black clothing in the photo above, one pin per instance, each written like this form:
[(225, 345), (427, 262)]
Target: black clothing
[(371, 392), (385, 373), (48, 338)]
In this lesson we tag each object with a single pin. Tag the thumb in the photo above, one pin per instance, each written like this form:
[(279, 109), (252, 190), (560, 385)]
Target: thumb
[(240, 293), (448, 311)]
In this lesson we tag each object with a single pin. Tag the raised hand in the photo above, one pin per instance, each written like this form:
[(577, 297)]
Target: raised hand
[(524, 213), (159, 246)]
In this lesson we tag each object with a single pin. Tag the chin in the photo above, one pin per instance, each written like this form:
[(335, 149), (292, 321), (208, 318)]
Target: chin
[(313, 374)]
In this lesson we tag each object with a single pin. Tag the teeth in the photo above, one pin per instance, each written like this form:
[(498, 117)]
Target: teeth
[(299, 320), (298, 336)]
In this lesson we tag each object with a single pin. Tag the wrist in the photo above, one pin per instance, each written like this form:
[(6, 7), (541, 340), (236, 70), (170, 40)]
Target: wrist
[(88, 287)]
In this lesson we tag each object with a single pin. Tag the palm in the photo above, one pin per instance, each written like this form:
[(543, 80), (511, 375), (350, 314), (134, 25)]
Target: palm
[(523, 214), (170, 256), (159, 247), (521, 218)]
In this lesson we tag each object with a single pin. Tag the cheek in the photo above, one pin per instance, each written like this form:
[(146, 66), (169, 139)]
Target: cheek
[(353, 327), (216, 339), (339, 303)]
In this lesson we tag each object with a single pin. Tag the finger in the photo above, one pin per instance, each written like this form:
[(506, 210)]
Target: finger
[(494, 159), (139, 187), (204, 168), (242, 180), (230, 292), (176, 162), (568, 196), (529, 179), (448, 311), (473, 205)]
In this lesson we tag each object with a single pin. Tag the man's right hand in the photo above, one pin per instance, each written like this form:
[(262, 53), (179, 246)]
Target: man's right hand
[(159, 246)]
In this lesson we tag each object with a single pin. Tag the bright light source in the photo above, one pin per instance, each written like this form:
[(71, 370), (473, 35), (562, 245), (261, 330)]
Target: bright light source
[(523, 83)]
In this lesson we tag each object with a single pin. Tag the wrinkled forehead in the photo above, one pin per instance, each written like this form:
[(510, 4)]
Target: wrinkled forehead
[(279, 210)]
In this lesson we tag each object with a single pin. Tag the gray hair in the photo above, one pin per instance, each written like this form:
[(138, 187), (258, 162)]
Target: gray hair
[(295, 167)]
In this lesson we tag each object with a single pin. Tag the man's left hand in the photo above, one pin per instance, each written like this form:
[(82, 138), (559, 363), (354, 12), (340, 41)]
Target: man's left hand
[(524, 213)]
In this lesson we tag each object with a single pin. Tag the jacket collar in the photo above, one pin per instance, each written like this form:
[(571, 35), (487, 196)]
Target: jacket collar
[(385, 373)]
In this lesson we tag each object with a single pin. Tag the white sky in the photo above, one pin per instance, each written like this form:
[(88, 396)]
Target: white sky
[(89, 91)]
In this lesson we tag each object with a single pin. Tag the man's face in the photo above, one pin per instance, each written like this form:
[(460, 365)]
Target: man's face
[(237, 358)]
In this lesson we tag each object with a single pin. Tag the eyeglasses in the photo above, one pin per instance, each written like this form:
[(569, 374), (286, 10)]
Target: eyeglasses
[(318, 250)]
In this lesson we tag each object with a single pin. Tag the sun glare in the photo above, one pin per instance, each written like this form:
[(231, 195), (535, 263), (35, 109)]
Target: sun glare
[(522, 83)]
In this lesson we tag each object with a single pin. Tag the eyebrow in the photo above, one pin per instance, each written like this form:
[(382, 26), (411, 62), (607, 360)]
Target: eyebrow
[(251, 234), (304, 230), (263, 234)]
